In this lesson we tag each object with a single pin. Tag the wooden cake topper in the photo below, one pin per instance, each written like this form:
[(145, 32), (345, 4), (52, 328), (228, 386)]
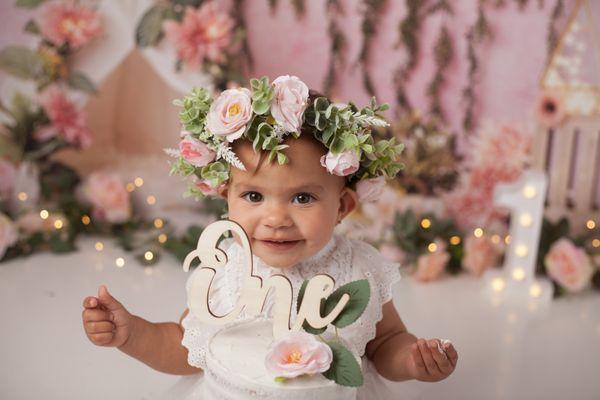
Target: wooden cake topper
[(253, 291)]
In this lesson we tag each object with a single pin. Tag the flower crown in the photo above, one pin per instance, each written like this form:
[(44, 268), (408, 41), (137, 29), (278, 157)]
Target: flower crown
[(266, 115)]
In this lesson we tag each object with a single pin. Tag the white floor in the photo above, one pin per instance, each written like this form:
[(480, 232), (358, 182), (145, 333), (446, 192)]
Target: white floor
[(45, 354)]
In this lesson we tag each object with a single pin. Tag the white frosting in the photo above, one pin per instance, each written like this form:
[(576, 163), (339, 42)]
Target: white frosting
[(235, 369)]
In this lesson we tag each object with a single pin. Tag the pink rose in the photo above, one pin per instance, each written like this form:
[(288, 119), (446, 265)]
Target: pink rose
[(297, 354), (480, 253), (206, 189), (195, 152), (7, 178), (108, 196), (341, 164), (289, 102), (229, 113), (369, 190), (31, 222), (67, 22), (8, 234), (569, 265), (431, 265)]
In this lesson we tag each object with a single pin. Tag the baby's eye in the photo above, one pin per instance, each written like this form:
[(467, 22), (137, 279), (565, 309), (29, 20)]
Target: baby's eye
[(303, 198), (252, 197)]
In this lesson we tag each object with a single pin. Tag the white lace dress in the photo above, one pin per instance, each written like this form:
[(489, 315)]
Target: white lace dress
[(343, 259)]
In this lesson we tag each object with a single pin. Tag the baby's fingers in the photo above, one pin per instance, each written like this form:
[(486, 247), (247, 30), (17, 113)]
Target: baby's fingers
[(94, 314), (101, 339), (439, 356), (99, 327), (415, 353), (452, 353), (90, 302), (430, 364)]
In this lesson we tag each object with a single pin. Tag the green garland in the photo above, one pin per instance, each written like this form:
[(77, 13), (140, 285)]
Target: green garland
[(552, 37), (372, 14), (337, 47)]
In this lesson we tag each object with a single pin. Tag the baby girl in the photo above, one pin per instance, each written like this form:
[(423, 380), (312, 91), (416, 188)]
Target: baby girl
[(298, 166)]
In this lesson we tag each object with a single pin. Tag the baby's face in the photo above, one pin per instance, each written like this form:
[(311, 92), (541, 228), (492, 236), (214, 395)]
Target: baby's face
[(288, 211)]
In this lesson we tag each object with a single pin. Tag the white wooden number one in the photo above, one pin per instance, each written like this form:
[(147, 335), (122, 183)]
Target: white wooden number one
[(254, 291)]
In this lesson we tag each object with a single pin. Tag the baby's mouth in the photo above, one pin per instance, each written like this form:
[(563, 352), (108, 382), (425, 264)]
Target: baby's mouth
[(280, 244)]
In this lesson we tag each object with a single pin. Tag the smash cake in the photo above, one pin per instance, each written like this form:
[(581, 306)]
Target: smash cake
[(256, 357)]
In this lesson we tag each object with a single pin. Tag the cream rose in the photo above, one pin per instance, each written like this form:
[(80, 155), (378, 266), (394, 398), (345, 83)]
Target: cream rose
[(341, 164), (290, 99), (108, 196), (569, 265), (369, 190), (230, 113), (8, 234), (195, 152), (299, 353)]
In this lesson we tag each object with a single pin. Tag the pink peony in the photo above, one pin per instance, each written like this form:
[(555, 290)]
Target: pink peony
[(230, 113), (8, 234), (7, 178), (480, 254), (431, 265), (68, 22), (297, 354), (569, 265), (289, 102), (341, 164), (195, 152), (369, 190), (206, 188), (203, 34), (108, 196), (66, 120), (550, 109)]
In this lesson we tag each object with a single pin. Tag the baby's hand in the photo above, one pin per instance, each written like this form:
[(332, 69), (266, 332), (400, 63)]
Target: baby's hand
[(431, 360), (105, 321)]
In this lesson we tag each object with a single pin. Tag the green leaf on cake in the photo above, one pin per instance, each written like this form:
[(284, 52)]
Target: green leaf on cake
[(359, 292), (306, 326), (344, 369)]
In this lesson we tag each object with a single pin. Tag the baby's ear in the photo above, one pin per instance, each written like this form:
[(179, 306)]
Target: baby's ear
[(223, 190), (348, 202)]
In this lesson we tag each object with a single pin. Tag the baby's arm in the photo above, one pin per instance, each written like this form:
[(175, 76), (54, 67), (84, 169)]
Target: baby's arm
[(398, 355), (108, 323)]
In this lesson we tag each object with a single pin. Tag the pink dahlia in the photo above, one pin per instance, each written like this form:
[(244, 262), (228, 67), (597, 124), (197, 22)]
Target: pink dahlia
[(67, 22), (204, 33), (66, 120)]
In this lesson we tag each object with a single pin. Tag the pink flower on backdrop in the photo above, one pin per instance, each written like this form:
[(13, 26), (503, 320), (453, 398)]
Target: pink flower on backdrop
[(7, 177), (341, 164), (505, 145), (204, 33), (568, 265), (290, 99), (8, 234), (196, 152), (550, 108), (108, 196), (432, 264), (230, 113), (298, 353), (67, 22), (66, 120), (480, 254), (370, 190), (31, 222)]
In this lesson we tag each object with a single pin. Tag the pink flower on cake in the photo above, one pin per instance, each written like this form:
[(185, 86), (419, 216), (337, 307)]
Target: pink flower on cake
[(341, 164), (569, 265), (299, 353), (195, 152), (204, 33), (289, 102), (480, 254), (8, 234), (108, 196), (7, 177), (67, 22), (550, 109), (431, 265), (230, 113), (369, 190), (66, 120)]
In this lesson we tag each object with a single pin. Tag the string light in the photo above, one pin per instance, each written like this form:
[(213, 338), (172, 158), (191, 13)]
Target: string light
[(425, 223), (535, 290), (521, 250), (529, 192), (518, 274), (507, 239), (162, 238), (478, 232), (148, 255), (22, 196), (591, 224), (85, 219), (525, 219), (158, 223), (120, 262), (130, 187), (496, 239), (44, 214), (498, 284), (455, 240), (432, 247), (99, 246), (151, 200), (138, 181), (596, 242), (58, 224)]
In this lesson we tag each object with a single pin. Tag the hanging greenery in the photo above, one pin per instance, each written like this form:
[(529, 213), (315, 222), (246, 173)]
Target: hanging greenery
[(372, 13), (552, 38), (299, 7), (240, 22), (338, 45), (443, 55)]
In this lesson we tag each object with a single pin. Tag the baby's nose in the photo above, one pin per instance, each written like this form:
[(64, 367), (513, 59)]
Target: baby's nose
[(277, 217)]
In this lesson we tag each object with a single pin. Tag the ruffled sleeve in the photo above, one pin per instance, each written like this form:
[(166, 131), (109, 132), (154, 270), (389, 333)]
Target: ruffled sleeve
[(382, 276)]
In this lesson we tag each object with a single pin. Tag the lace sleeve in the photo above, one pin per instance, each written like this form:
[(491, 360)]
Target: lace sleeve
[(382, 276)]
